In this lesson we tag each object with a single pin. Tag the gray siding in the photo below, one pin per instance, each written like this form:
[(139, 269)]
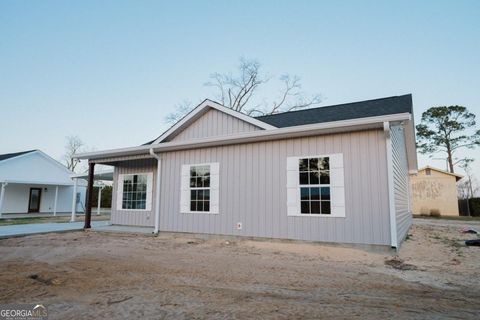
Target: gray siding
[(133, 218), (253, 190), (400, 182), (213, 123)]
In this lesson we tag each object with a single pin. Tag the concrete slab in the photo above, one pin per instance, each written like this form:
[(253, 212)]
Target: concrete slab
[(20, 230)]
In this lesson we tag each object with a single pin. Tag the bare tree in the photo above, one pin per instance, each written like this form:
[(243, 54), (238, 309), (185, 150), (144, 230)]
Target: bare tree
[(468, 187), (181, 110), (73, 145), (237, 91)]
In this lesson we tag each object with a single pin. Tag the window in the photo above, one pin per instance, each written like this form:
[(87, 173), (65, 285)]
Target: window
[(428, 172), (314, 185), (200, 188), (134, 195)]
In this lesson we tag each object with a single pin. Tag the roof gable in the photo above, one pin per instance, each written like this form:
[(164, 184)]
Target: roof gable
[(199, 111), (347, 111), (34, 167), (212, 123), (457, 176)]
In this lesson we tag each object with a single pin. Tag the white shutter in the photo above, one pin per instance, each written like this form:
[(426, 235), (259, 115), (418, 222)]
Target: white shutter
[(293, 197), (214, 187), (119, 191), (185, 189), (148, 202), (337, 185)]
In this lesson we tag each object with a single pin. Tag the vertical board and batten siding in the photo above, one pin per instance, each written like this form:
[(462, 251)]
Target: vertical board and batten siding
[(133, 217), (401, 182), (213, 123), (253, 190)]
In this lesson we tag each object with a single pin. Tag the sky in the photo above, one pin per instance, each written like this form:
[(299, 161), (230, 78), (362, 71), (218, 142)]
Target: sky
[(110, 71)]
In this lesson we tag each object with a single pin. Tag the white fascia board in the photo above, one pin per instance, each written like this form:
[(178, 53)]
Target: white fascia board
[(254, 136), (47, 183), (201, 109)]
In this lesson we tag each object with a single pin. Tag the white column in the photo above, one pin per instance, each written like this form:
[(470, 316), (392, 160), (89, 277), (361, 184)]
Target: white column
[(99, 200), (2, 196), (74, 200), (56, 200), (157, 190)]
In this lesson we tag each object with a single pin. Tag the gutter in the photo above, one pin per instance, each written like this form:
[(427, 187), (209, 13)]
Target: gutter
[(157, 190), (254, 136)]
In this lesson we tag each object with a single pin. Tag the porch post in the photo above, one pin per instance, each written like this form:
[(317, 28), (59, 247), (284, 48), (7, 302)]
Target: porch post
[(99, 200), (74, 200), (2, 196), (88, 205), (56, 200)]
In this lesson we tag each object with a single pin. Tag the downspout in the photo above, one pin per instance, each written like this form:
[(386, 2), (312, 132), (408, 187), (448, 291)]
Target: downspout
[(391, 190), (157, 190)]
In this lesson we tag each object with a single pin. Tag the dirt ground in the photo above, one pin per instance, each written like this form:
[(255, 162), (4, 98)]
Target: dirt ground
[(86, 275)]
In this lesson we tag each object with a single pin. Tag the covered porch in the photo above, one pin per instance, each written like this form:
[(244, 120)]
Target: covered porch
[(30, 198), (98, 180)]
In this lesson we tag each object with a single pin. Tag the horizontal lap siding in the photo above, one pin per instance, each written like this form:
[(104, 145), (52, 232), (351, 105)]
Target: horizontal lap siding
[(400, 182), (133, 218), (253, 190), (214, 123)]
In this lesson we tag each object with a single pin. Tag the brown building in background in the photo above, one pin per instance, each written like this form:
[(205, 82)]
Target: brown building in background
[(435, 190)]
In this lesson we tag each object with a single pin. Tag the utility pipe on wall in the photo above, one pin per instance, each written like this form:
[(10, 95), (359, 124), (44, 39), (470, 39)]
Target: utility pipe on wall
[(157, 190)]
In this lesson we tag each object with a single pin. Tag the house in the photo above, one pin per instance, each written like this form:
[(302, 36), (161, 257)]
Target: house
[(33, 182), (435, 190), (334, 174)]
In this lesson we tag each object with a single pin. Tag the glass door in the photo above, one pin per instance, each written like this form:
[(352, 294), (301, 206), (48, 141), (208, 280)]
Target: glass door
[(34, 200)]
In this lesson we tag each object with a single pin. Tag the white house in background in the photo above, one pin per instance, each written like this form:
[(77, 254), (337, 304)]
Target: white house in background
[(33, 182)]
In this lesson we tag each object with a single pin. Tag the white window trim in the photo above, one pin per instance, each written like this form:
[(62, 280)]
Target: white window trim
[(148, 201), (298, 186), (211, 188)]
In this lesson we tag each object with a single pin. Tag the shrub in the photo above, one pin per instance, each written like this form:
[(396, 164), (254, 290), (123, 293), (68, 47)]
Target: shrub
[(435, 213), (424, 212), (474, 207)]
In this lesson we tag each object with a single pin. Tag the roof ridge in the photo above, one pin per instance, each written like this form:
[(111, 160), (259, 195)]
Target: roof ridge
[(336, 105)]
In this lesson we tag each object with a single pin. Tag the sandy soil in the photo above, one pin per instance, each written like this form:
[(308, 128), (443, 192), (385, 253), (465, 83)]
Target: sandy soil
[(85, 275)]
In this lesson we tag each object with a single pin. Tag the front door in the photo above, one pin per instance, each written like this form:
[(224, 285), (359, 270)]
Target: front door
[(34, 200)]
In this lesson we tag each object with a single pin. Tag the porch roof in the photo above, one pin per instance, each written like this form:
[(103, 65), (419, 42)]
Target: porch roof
[(105, 175)]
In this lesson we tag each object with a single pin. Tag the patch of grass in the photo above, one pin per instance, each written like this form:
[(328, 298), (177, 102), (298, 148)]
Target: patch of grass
[(58, 219), (6, 222)]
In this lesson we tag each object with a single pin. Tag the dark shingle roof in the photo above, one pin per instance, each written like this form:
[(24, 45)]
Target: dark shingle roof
[(354, 110), (13, 155)]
